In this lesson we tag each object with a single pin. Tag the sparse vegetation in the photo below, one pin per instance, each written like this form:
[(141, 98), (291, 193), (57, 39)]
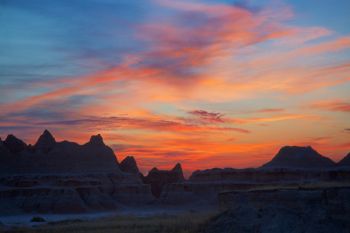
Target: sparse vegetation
[(315, 185), (38, 219), (185, 223)]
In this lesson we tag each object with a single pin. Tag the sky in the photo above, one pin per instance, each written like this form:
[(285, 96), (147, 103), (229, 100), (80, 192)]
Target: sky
[(206, 83)]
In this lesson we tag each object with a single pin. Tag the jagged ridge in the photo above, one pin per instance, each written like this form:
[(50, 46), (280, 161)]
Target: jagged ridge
[(49, 156)]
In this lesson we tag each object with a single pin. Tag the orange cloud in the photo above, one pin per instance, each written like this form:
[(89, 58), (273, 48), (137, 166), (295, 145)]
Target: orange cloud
[(220, 56)]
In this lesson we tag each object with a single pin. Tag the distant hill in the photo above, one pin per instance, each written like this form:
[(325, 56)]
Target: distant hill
[(299, 158)]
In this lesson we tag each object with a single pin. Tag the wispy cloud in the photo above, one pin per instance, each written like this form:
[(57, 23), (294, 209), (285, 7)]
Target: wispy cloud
[(270, 110), (335, 105), (155, 123), (211, 117)]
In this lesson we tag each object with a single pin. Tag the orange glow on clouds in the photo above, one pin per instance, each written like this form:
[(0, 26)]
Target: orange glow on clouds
[(227, 92)]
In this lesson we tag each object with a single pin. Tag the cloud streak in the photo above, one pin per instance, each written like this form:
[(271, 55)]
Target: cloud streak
[(335, 106), (211, 117)]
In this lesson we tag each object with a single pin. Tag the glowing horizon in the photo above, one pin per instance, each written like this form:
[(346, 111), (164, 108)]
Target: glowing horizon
[(204, 83)]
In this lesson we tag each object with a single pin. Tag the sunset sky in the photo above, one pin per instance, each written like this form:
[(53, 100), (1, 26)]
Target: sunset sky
[(219, 83)]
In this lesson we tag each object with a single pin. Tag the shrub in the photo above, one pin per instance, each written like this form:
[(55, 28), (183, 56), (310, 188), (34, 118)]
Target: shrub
[(38, 219)]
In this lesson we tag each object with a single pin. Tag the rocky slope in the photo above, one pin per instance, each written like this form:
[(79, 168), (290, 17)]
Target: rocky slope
[(345, 162), (277, 210), (129, 165), (299, 157), (159, 178), (71, 193)]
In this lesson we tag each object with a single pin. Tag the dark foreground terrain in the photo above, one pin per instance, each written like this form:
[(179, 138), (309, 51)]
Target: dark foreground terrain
[(183, 223), (307, 210), (290, 209)]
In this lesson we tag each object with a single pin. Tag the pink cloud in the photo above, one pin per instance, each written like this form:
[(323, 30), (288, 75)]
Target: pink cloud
[(211, 117), (335, 106)]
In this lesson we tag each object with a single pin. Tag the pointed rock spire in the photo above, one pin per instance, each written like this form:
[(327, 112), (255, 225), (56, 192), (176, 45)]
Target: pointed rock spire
[(178, 170), (14, 144), (177, 167), (45, 142), (129, 165), (96, 140)]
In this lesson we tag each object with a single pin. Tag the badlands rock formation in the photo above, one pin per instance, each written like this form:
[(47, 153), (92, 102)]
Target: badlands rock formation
[(345, 162), (45, 143), (129, 165), (51, 157), (159, 178), (276, 210), (62, 177), (308, 166), (299, 157)]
